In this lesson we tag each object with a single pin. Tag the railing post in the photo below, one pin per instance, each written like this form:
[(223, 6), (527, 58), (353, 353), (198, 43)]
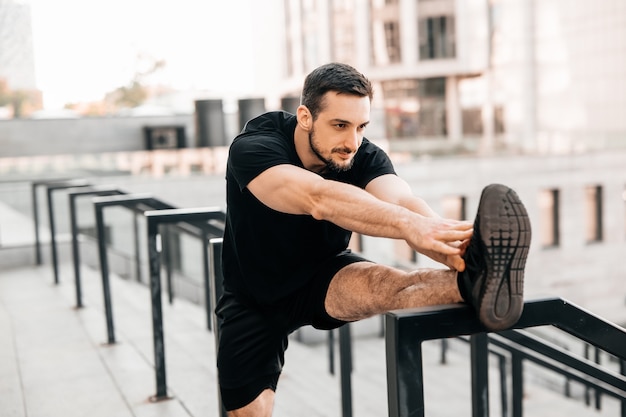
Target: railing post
[(504, 397), (345, 354), (480, 376), (622, 369), (154, 249), (206, 278), (405, 374), (53, 242), (53, 246), (167, 255), (217, 289), (136, 247), (34, 200), (517, 376), (104, 268), (331, 352), (73, 195)]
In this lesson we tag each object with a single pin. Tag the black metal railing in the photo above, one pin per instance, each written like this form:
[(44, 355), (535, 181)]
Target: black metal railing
[(407, 329), (50, 186), (210, 221), (73, 195)]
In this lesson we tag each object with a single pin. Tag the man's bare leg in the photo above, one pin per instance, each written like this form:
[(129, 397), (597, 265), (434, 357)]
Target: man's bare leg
[(364, 289), (261, 406)]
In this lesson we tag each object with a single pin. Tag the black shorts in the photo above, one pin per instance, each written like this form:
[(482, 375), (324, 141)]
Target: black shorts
[(253, 341)]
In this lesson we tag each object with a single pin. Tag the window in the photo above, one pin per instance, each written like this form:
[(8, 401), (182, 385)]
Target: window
[(549, 212), (342, 31), (454, 207), (385, 32), (392, 41), (593, 213), (436, 37), (415, 108)]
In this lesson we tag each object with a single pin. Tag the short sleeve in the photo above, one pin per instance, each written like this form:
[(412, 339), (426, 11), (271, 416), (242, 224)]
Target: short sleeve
[(250, 155)]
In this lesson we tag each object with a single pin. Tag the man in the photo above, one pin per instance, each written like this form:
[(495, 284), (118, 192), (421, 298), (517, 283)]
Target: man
[(297, 186)]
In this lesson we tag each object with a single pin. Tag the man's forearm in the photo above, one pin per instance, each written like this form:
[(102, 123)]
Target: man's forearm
[(357, 210)]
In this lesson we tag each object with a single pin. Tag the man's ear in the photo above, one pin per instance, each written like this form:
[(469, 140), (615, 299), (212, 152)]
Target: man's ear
[(305, 119)]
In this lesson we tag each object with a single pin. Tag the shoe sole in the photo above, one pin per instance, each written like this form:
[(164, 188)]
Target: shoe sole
[(505, 231)]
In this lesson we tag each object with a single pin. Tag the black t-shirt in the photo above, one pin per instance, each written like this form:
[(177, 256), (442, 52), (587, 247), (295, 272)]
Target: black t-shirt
[(267, 254)]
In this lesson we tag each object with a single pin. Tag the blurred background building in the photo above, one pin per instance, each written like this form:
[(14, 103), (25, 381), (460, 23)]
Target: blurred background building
[(485, 75), (18, 89)]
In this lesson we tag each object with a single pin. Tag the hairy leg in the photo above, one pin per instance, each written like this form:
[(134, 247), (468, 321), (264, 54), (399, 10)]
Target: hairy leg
[(261, 406), (364, 289)]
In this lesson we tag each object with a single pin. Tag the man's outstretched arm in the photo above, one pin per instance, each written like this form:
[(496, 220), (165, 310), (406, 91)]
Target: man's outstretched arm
[(294, 190)]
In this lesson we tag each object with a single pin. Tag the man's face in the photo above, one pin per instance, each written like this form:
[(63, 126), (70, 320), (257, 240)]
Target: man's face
[(338, 130)]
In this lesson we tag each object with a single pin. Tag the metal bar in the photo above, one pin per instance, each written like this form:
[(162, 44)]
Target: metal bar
[(75, 251), (206, 278), (345, 355), (35, 206), (154, 219), (73, 194), (331, 352), (50, 188), (459, 319), (517, 374), (480, 376), (53, 242), (136, 247), (104, 268), (36, 220), (167, 255), (217, 289), (622, 369), (504, 397), (598, 394), (405, 375), (444, 349), (535, 347), (157, 313)]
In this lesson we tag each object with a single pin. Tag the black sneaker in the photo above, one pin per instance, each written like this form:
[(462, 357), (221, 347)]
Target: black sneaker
[(493, 281)]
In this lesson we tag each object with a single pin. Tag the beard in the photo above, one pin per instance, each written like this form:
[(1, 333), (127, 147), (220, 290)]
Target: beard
[(331, 166)]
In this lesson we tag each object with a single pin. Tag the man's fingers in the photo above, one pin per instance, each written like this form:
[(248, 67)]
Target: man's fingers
[(454, 235)]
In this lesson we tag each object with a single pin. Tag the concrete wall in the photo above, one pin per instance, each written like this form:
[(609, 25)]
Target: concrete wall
[(29, 137)]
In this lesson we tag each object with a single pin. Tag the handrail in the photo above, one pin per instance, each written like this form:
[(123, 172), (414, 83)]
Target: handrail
[(73, 194), (407, 329), (202, 217), (131, 201), (63, 183)]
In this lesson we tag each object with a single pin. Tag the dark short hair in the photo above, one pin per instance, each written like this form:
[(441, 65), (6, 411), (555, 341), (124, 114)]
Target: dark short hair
[(341, 78)]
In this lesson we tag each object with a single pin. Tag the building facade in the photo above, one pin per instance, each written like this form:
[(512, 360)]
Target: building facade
[(525, 76), (18, 89)]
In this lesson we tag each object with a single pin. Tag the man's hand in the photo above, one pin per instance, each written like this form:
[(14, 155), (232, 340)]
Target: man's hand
[(443, 240)]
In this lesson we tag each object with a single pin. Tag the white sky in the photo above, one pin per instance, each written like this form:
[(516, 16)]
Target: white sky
[(84, 49)]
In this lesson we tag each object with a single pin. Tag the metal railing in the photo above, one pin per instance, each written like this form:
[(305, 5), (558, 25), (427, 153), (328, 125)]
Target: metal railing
[(205, 219), (50, 187), (407, 329)]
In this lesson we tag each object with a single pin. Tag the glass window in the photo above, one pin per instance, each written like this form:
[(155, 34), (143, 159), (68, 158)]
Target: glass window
[(436, 35), (342, 31), (385, 32), (593, 213), (453, 207), (549, 212), (415, 108)]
